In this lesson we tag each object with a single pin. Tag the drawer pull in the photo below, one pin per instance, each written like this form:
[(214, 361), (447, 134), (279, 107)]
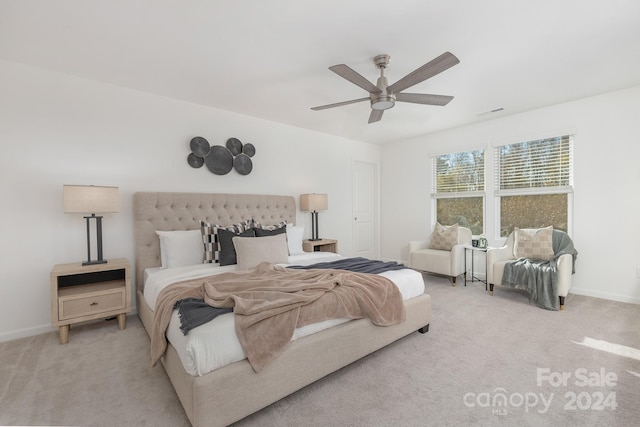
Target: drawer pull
[(93, 303)]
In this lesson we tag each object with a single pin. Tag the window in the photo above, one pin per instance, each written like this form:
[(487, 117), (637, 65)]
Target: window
[(458, 189), (534, 181)]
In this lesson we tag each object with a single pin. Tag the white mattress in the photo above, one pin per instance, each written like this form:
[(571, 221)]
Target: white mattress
[(215, 344)]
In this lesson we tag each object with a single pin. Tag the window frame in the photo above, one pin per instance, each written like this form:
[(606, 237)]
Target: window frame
[(531, 191), (435, 194)]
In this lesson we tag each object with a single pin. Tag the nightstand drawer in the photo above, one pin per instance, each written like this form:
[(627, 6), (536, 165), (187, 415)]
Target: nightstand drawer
[(76, 306)]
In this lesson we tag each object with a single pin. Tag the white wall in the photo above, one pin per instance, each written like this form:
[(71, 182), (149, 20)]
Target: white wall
[(57, 129), (606, 219)]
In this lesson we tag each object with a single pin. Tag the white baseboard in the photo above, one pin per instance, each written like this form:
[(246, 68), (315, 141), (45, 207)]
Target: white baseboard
[(37, 330), (605, 295), (25, 332)]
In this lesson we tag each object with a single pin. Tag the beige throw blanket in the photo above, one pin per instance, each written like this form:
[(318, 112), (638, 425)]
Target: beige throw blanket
[(269, 302)]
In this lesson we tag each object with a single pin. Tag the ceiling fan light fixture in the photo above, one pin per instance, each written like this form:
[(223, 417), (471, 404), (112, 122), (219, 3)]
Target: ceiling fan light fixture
[(383, 96), (382, 102)]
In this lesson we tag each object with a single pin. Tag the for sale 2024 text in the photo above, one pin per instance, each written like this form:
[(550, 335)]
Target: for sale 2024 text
[(584, 400)]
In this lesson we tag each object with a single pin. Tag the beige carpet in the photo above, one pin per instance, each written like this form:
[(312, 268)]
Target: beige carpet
[(479, 349)]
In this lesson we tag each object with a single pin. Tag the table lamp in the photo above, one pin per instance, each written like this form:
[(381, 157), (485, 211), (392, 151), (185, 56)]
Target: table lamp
[(91, 199), (314, 203)]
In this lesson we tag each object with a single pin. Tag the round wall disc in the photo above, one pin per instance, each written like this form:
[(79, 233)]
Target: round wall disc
[(219, 160), (243, 164), (234, 145), (195, 161), (200, 146), (249, 150)]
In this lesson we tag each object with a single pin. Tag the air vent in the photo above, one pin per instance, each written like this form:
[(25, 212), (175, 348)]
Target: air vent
[(495, 110)]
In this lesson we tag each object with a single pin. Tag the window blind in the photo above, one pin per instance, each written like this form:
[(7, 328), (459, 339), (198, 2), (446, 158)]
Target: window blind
[(540, 166), (458, 173)]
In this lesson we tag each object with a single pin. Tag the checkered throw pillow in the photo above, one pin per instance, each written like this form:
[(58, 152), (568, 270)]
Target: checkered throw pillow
[(444, 238), (536, 245)]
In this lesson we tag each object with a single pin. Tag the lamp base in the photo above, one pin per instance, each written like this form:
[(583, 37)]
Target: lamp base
[(96, 261), (314, 227), (100, 260)]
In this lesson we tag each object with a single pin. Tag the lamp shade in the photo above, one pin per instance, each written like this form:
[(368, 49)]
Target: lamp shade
[(90, 199), (314, 202)]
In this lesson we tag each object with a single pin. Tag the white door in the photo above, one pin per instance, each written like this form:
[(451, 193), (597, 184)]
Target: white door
[(365, 204)]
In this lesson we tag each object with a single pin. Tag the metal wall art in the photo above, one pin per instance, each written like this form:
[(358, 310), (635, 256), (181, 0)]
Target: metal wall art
[(220, 160)]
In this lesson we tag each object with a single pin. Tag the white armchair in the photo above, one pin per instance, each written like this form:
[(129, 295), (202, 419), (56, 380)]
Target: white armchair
[(498, 257), (424, 257)]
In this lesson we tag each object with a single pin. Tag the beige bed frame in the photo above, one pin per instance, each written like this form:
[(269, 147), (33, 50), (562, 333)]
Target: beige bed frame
[(231, 393)]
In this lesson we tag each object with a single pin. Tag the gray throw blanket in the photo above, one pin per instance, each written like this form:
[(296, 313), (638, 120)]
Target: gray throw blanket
[(539, 277), (357, 264), (194, 312)]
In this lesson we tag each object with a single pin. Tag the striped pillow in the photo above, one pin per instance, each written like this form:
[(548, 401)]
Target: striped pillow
[(269, 230), (211, 240), (256, 224)]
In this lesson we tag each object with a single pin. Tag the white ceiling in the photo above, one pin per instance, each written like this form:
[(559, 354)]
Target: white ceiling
[(269, 58)]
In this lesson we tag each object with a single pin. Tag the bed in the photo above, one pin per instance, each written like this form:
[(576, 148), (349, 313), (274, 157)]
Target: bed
[(229, 393)]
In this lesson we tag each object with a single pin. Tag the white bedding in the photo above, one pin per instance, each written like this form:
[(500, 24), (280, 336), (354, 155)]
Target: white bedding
[(215, 344)]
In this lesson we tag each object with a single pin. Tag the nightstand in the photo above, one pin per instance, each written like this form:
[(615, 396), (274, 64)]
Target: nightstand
[(80, 293), (322, 245)]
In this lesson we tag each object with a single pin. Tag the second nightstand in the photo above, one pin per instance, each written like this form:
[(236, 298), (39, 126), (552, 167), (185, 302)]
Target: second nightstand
[(322, 245)]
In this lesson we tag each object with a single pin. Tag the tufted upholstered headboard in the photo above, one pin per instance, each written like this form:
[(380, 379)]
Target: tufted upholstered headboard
[(183, 211)]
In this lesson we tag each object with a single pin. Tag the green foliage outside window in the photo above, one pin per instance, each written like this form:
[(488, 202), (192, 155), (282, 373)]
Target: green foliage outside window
[(460, 172), (534, 180), (458, 188), (533, 211), (464, 211), (544, 165)]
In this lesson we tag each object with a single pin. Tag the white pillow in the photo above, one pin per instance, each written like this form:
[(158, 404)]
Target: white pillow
[(251, 251), (179, 248), (294, 239)]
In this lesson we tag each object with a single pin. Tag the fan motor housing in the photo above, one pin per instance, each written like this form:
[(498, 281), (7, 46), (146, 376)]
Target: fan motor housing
[(382, 101)]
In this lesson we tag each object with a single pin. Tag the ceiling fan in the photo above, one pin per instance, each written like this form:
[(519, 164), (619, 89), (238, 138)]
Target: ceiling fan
[(383, 96)]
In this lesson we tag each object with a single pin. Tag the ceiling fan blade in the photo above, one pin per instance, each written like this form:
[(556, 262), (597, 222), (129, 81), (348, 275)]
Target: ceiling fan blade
[(375, 115), (423, 98), (350, 74), (340, 104), (428, 70)]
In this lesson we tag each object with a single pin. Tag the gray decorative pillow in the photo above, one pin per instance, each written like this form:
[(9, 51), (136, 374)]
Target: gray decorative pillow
[(535, 245), (251, 251), (227, 249), (444, 238), (211, 240), (263, 232)]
